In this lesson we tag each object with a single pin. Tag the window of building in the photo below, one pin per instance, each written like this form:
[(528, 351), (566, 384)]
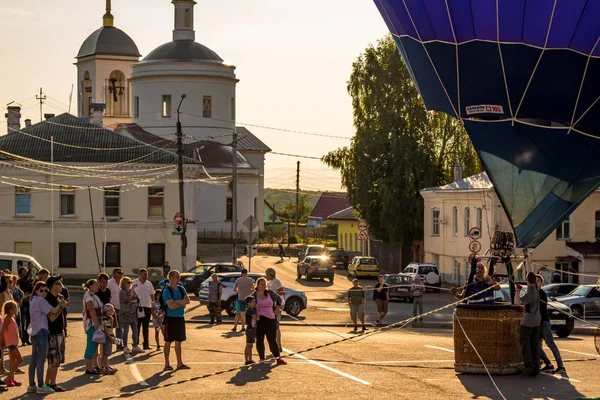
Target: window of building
[(207, 106), (229, 209), (112, 202), (23, 248), (233, 108), (256, 207), (156, 254), (467, 220), (435, 260), (454, 221), (22, 200), (563, 232), (136, 107), (597, 225), (356, 242), (67, 201), (156, 201), (113, 254), (479, 216), (435, 222), (166, 106), (67, 255), (187, 20)]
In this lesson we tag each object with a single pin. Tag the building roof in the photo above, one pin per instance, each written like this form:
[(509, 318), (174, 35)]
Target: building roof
[(248, 141), (108, 40), (77, 140), (347, 214), (212, 154), (585, 248), (183, 51), (270, 211), (330, 203), (476, 182)]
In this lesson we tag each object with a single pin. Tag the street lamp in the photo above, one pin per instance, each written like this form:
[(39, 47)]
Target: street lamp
[(180, 181)]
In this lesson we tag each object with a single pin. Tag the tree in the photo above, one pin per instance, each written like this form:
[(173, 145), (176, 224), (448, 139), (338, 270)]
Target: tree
[(398, 149), (289, 210)]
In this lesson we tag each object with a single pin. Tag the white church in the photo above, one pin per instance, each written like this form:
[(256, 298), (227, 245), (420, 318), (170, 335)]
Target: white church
[(141, 99)]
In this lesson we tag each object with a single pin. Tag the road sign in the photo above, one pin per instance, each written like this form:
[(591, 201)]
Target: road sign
[(178, 224), (475, 233), (363, 236), (251, 223), (363, 226), (273, 217), (474, 246), (286, 227)]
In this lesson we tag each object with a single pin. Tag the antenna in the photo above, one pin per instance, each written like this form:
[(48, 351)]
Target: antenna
[(41, 98)]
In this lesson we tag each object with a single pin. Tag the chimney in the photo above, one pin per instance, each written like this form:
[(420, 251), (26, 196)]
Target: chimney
[(48, 116), (97, 112), (457, 172), (13, 116), (27, 123)]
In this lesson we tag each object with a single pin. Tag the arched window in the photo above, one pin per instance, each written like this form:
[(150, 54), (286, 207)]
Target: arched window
[(467, 220), (480, 218), (116, 95), (86, 95), (435, 222)]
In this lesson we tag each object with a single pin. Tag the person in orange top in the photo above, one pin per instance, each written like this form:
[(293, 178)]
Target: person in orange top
[(10, 334)]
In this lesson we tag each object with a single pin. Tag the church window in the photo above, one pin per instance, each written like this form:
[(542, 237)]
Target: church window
[(166, 106), (136, 107), (233, 108), (207, 106), (186, 18)]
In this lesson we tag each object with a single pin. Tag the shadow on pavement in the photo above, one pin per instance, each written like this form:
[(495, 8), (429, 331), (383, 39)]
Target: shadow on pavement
[(514, 386), (252, 373)]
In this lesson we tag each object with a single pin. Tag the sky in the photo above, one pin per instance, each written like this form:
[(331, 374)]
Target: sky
[(293, 61)]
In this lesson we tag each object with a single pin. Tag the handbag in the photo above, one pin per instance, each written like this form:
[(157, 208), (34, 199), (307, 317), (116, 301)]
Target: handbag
[(99, 336), (141, 313)]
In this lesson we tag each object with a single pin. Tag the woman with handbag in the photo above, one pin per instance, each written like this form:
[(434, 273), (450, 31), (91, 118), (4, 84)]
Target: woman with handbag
[(129, 302), (92, 312)]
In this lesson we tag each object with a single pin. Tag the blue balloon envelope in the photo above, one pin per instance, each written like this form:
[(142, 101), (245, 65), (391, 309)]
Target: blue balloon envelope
[(524, 77)]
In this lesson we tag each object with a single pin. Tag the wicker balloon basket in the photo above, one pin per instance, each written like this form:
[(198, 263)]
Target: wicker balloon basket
[(494, 332)]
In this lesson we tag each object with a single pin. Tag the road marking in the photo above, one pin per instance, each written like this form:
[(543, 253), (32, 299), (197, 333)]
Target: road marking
[(439, 348), (306, 362), (318, 364), (560, 377), (584, 354), (135, 371), (333, 309)]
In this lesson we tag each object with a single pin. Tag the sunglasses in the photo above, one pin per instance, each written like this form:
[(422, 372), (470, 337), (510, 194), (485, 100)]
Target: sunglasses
[(43, 290), (128, 283)]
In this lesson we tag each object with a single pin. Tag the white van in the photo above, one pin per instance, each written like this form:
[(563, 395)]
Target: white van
[(14, 261)]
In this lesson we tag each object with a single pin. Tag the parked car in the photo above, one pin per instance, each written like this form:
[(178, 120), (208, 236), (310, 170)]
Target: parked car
[(363, 266), (339, 258), (585, 300), (561, 319), (559, 289), (312, 250), (14, 261), (414, 269), (315, 267), (295, 300), (193, 277), (399, 286)]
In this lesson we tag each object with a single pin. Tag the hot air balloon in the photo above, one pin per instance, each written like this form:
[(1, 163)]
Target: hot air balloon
[(524, 77)]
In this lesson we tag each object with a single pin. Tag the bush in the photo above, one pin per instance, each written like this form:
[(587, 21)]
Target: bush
[(294, 239)]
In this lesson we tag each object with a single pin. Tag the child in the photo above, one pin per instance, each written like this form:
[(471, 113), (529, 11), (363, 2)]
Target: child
[(10, 333), (417, 289), (158, 316), (108, 325), (251, 318)]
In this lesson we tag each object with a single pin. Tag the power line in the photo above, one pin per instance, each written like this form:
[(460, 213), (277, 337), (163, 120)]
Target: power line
[(295, 155)]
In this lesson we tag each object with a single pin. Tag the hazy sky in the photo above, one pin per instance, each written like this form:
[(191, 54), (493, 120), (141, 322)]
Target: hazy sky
[(293, 60)]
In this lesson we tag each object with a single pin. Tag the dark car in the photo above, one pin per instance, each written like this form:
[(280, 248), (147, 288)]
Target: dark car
[(315, 267), (193, 277), (559, 289), (561, 318), (339, 258), (399, 286)]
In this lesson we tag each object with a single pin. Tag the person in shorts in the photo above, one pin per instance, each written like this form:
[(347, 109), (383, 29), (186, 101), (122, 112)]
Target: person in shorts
[(251, 316), (382, 297), (356, 301), (243, 287), (176, 299)]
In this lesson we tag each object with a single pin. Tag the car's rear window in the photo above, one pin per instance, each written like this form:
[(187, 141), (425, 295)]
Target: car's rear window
[(368, 261), (396, 280), (6, 264), (425, 269), (315, 250), (338, 253)]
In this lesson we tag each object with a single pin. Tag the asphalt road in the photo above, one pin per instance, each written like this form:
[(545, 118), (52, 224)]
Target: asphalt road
[(400, 364)]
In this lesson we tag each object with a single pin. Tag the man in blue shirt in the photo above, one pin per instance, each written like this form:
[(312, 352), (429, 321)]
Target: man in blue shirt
[(175, 299)]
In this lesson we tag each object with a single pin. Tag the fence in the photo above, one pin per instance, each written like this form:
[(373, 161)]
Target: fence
[(272, 234)]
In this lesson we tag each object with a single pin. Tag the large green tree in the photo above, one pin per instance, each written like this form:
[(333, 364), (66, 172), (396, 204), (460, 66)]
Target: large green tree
[(399, 148), (289, 210)]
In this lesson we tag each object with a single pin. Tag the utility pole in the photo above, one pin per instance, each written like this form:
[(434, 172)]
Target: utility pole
[(180, 181), (234, 197), (297, 194), (41, 98)]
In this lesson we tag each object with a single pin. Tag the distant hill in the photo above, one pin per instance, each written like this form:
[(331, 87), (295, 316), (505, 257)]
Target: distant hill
[(280, 197)]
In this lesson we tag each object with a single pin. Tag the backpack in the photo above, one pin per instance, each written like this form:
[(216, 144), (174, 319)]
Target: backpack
[(163, 303)]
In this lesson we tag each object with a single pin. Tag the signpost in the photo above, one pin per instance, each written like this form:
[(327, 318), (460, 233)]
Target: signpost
[(177, 224), (251, 223), (363, 235), (474, 236)]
